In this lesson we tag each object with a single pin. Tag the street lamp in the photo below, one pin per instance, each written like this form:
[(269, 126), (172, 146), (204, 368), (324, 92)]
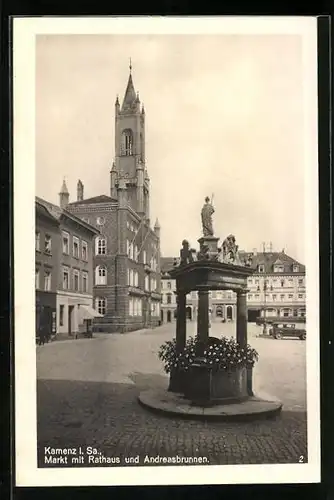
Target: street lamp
[(264, 307)]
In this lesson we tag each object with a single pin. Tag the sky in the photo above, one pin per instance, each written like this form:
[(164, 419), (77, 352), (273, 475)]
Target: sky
[(224, 116)]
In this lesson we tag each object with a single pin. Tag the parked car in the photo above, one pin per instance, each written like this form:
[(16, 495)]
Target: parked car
[(279, 330)]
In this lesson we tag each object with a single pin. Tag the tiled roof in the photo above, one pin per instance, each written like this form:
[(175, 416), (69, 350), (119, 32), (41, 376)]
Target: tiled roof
[(269, 259), (96, 199), (40, 209), (57, 213)]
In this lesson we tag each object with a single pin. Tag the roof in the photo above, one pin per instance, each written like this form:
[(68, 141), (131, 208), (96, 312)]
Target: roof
[(166, 264), (64, 189), (95, 199), (41, 210), (58, 213), (268, 259), (129, 96)]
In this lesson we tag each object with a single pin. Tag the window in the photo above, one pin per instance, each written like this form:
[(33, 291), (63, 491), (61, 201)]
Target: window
[(84, 251), (169, 285), (66, 279), (300, 296), (250, 296), (295, 268), (84, 282), (278, 268), (131, 306), (37, 278), (257, 296), (75, 247), (194, 295), (38, 241), (290, 296), (101, 246), (282, 296), (47, 280), (131, 277), (136, 278), (47, 244), (127, 143), (147, 284), (101, 305), (250, 281), (61, 315), (274, 296), (169, 298), (301, 282), (257, 282), (66, 243), (282, 282), (261, 268), (76, 280), (101, 275), (144, 257), (154, 285)]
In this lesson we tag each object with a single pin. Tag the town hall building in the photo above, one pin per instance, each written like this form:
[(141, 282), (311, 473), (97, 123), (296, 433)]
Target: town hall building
[(127, 251)]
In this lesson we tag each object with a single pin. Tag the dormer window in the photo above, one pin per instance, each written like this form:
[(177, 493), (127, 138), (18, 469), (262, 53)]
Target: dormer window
[(260, 268), (278, 268), (295, 268)]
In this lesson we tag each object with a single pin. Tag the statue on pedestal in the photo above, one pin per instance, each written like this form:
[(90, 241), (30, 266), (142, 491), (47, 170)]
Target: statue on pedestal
[(229, 253), (206, 215), (186, 255)]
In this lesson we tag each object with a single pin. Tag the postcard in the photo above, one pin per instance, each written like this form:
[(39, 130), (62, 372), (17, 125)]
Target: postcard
[(166, 251)]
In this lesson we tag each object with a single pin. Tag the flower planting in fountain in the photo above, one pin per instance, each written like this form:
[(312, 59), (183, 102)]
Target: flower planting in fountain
[(224, 354)]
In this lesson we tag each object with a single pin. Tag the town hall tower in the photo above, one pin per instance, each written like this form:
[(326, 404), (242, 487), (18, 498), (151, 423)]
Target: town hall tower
[(129, 163)]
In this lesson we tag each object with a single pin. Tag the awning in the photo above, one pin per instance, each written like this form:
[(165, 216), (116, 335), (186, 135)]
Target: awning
[(87, 312)]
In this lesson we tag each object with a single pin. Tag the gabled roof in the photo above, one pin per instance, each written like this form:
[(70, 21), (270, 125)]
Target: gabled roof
[(41, 210), (59, 213), (95, 199)]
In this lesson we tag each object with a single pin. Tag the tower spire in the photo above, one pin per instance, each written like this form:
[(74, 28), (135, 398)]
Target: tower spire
[(130, 66)]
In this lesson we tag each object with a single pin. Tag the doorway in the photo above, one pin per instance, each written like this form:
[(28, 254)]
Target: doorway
[(169, 316), (229, 312), (189, 313), (70, 319), (161, 316)]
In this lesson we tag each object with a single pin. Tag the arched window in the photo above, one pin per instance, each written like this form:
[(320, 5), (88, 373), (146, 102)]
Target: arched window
[(100, 246), (101, 275), (127, 143), (141, 147)]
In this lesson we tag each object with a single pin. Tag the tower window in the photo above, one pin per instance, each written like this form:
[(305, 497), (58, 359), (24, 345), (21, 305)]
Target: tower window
[(127, 143)]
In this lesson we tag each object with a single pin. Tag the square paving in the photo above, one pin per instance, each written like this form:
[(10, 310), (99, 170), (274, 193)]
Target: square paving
[(87, 394)]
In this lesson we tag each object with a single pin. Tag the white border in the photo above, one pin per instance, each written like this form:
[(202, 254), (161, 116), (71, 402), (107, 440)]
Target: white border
[(27, 473)]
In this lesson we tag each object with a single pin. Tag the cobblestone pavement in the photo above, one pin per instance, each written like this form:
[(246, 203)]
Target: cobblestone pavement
[(87, 396)]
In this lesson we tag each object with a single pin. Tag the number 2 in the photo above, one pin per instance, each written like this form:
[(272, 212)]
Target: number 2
[(301, 459)]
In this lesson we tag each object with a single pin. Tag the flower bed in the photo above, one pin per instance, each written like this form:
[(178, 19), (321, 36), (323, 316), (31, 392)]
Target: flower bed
[(224, 354), (221, 373)]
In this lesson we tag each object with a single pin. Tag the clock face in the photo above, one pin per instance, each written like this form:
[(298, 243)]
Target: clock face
[(100, 221)]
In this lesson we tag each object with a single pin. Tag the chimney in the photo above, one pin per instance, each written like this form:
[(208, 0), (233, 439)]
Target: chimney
[(254, 251), (80, 191)]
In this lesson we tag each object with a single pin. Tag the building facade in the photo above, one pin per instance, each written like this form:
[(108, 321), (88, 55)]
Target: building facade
[(276, 289), (47, 251), (73, 265), (126, 259)]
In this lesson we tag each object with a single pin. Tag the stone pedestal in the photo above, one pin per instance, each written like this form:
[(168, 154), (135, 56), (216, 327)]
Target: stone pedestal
[(176, 380), (209, 387), (210, 242), (203, 317)]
